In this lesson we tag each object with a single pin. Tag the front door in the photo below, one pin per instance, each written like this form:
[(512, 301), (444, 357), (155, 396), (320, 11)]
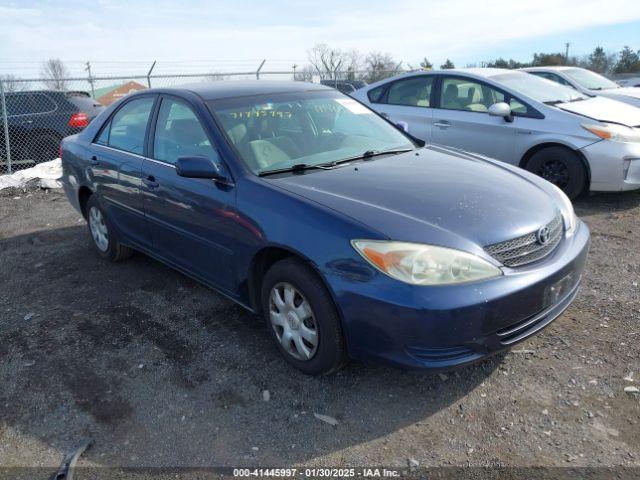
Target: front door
[(191, 219), (462, 120)]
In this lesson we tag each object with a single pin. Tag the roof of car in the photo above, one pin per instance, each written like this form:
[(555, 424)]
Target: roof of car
[(240, 88), (559, 67)]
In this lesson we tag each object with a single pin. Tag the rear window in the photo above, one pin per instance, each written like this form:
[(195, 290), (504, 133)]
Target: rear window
[(42, 103), (84, 103)]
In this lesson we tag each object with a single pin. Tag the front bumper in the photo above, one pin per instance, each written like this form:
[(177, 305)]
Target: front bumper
[(614, 166), (445, 327)]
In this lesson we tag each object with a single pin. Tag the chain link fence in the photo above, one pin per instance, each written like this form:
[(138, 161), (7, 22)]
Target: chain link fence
[(36, 114)]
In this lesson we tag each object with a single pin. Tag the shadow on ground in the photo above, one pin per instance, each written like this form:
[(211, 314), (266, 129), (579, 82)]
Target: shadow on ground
[(160, 370)]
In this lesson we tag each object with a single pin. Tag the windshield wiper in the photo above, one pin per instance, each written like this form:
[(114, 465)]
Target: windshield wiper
[(367, 155), (298, 167)]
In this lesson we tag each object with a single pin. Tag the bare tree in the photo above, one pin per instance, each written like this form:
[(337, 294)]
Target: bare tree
[(326, 61), (11, 83), (380, 65), (215, 76), (54, 74), (305, 74)]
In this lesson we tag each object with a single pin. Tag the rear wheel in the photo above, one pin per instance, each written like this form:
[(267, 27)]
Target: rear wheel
[(104, 237), (562, 167), (302, 318)]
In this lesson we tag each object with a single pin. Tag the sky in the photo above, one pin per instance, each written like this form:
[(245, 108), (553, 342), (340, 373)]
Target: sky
[(121, 37)]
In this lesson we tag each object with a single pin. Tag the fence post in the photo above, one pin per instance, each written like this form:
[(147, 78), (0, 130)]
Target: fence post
[(260, 68), (5, 125), (153, 65)]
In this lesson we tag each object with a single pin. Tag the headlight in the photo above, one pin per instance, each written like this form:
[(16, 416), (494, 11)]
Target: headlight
[(613, 132), (419, 264), (569, 215)]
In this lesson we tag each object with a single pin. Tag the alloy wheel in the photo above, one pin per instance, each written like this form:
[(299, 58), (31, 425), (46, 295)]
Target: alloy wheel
[(555, 172)]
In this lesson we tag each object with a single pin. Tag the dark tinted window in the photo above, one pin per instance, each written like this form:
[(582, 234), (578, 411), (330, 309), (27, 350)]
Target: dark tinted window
[(179, 133), (84, 103), (129, 125), (375, 95), (18, 104), (42, 103), (412, 92)]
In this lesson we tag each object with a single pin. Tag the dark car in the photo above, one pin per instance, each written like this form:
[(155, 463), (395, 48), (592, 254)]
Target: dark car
[(345, 86), (39, 120), (306, 207)]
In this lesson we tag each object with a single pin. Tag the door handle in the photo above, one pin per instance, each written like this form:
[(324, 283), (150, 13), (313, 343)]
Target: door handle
[(150, 182), (442, 124), (94, 160), (384, 114)]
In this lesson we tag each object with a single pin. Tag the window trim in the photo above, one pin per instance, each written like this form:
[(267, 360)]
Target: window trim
[(108, 120), (154, 123), (531, 111)]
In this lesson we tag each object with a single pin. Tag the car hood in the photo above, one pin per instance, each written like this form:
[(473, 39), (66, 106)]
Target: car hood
[(604, 110), (433, 195)]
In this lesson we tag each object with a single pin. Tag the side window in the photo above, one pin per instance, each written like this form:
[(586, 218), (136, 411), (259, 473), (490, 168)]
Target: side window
[(469, 95), (412, 92), (43, 104), (129, 125), (375, 95), (18, 104), (103, 138), (179, 133), (517, 107)]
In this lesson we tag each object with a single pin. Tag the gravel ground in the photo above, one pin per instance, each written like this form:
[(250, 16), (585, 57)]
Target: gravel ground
[(161, 371)]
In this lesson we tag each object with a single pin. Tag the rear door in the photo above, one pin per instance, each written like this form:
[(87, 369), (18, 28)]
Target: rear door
[(193, 221), (409, 101), (116, 158), (461, 119)]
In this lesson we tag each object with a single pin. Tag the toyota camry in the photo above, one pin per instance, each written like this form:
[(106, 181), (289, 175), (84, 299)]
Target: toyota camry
[(352, 238)]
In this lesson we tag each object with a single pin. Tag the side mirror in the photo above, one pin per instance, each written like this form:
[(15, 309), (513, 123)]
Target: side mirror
[(404, 126), (501, 109), (201, 167)]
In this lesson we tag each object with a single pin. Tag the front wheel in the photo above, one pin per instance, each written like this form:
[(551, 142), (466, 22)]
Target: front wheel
[(562, 167), (302, 318)]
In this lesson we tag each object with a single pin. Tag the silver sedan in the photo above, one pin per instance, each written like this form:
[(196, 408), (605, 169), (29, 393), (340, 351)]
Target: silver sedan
[(573, 140), (588, 82)]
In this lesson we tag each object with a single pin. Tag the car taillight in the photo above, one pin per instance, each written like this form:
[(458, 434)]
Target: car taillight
[(60, 151), (79, 120)]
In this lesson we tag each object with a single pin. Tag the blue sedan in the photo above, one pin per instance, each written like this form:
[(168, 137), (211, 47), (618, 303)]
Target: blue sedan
[(351, 238)]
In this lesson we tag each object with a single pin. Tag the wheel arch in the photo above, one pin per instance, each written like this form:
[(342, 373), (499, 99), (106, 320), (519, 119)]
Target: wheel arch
[(541, 146), (84, 193)]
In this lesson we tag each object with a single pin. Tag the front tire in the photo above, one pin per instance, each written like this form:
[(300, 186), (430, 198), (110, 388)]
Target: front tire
[(103, 235), (562, 167), (302, 319)]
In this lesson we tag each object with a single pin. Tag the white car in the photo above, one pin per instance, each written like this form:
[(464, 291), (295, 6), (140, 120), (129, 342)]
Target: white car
[(573, 140), (588, 82)]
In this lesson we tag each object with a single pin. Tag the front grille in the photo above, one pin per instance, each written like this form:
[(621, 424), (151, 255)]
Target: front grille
[(526, 249)]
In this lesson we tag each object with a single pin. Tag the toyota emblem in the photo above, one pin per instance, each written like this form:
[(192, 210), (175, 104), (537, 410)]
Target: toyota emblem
[(543, 235)]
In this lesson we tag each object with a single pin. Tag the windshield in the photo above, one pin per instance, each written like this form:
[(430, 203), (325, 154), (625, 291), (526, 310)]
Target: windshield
[(590, 80), (539, 89), (273, 132)]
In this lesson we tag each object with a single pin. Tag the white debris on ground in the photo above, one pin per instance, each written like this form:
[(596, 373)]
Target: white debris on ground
[(47, 174)]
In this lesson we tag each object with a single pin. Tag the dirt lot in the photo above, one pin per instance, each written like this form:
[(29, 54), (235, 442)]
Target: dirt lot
[(161, 371)]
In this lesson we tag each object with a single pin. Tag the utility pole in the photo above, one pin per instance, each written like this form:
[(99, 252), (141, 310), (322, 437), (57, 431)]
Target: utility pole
[(566, 53), (88, 69), (294, 66)]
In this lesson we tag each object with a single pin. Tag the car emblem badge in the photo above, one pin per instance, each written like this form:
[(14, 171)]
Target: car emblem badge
[(543, 235)]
